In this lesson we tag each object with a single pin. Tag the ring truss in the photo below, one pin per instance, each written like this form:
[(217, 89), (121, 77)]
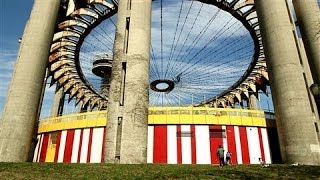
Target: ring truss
[(65, 67)]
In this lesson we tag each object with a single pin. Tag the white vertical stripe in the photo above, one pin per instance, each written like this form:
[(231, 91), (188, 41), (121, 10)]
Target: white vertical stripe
[(84, 145), (186, 145), (75, 146), (62, 145), (39, 147), (150, 144), (203, 155), (224, 141), (97, 140), (266, 147), (172, 144), (238, 144), (253, 145)]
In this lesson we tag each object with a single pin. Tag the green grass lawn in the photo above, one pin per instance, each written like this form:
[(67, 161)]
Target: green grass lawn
[(111, 171)]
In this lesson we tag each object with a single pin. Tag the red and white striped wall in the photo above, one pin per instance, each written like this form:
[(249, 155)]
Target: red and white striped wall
[(71, 146), (198, 144), (171, 144)]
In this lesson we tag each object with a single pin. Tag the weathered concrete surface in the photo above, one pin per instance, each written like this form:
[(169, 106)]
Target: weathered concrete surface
[(295, 120), (308, 16), (21, 108), (58, 103), (252, 102), (126, 138), (309, 79)]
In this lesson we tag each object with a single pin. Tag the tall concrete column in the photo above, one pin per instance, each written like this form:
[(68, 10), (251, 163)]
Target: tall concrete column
[(295, 119), (308, 16), (252, 102), (21, 108), (126, 138), (58, 103)]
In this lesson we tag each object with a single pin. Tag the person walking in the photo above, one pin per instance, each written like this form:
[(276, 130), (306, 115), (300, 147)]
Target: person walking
[(220, 154), (228, 158)]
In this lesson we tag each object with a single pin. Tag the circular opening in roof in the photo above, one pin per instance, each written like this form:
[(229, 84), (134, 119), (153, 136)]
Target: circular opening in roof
[(199, 48), (162, 86)]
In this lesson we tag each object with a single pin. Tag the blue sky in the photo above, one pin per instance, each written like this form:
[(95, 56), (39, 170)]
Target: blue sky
[(13, 16)]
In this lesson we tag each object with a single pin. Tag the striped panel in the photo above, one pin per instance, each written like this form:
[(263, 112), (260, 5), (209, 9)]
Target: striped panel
[(172, 144), (224, 141), (253, 144), (96, 147), (215, 142), (232, 144), (150, 144), (75, 146), (50, 154), (186, 144), (203, 155), (36, 150), (266, 147), (244, 145), (160, 144), (68, 147), (261, 145), (103, 143), (57, 147), (238, 144), (44, 147), (84, 145), (89, 145), (193, 145), (62, 146), (179, 148), (80, 146)]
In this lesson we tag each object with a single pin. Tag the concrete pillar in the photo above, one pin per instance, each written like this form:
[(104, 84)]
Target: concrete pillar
[(295, 119), (105, 85), (21, 108), (58, 103), (126, 139), (252, 102), (308, 16)]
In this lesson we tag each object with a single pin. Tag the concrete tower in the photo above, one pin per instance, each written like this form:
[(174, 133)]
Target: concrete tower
[(126, 137), (21, 108), (294, 114), (308, 16), (58, 103)]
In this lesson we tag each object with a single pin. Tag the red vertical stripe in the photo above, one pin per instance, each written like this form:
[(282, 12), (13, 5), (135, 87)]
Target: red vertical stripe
[(68, 147), (57, 147), (193, 144), (179, 146), (261, 145), (103, 143), (160, 144), (244, 145), (89, 145), (215, 142), (80, 145), (232, 144), (43, 152)]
